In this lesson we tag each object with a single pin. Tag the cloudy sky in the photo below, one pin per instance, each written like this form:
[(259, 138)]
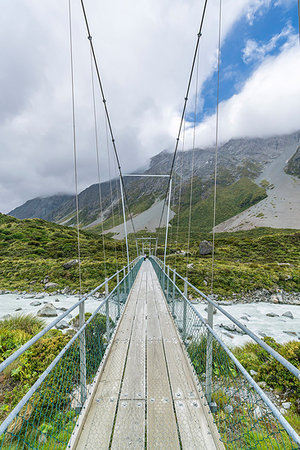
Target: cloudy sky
[(144, 49)]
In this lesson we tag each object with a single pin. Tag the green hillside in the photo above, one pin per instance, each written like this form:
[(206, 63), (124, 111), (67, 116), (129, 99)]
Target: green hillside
[(32, 249), (231, 200)]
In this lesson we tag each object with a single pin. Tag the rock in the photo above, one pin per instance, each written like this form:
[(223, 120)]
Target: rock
[(271, 314), (62, 325), (205, 248), (50, 285), (47, 311), (257, 413), (56, 300), (288, 314), (45, 280), (70, 264), (291, 333), (274, 299), (225, 303), (252, 372), (62, 309), (35, 303), (190, 266), (245, 318), (282, 411), (29, 296), (42, 438), (39, 296), (18, 309), (262, 384), (231, 328), (228, 409), (286, 405), (66, 290)]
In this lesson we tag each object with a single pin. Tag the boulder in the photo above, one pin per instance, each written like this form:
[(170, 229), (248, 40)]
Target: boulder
[(245, 318), (70, 264), (232, 328), (47, 311), (18, 309), (39, 296), (271, 314), (50, 285), (288, 314), (205, 248), (35, 303), (62, 325), (286, 405)]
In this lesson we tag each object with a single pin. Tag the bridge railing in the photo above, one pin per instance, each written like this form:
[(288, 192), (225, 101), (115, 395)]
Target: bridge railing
[(243, 413), (46, 415)]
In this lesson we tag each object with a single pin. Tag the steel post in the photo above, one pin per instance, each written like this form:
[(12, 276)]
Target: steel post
[(82, 352), (118, 294), (124, 218), (209, 352), (168, 284), (173, 293), (184, 311), (107, 311)]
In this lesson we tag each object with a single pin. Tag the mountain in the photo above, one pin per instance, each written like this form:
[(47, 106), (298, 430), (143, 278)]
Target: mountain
[(293, 166), (237, 159), (42, 208)]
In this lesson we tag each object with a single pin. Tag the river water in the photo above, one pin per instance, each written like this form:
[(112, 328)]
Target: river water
[(253, 315)]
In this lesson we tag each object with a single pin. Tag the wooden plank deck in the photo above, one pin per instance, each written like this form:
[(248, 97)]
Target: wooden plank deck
[(146, 396)]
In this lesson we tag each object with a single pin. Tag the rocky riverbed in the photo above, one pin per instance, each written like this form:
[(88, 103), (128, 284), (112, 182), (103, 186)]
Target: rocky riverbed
[(266, 314)]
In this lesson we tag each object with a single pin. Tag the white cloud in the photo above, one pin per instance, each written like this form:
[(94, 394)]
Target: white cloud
[(144, 51), (255, 51), (267, 105)]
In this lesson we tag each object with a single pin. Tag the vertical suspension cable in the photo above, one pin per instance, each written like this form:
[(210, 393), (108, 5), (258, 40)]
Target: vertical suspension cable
[(180, 186), (216, 151), (98, 163), (299, 20), (193, 162), (110, 189), (74, 143)]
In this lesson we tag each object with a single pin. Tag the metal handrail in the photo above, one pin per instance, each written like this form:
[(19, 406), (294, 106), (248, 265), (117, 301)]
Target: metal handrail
[(35, 338), (290, 367), (9, 419), (289, 429)]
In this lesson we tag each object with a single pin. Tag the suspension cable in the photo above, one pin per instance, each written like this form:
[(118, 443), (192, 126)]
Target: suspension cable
[(110, 190), (98, 163), (185, 105), (216, 151), (299, 20), (89, 36), (74, 142), (193, 162), (180, 188)]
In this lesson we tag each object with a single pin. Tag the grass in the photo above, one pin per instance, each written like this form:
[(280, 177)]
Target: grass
[(32, 249)]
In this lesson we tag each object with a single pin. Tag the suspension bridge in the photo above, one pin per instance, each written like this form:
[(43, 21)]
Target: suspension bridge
[(146, 370)]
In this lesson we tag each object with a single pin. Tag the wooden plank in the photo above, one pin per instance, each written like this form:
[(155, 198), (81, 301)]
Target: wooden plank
[(194, 430), (97, 429), (129, 431), (133, 386), (161, 423)]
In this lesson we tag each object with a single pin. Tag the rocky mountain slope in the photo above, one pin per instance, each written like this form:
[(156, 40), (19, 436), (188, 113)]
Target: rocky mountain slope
[(239, 158), (293, 165)]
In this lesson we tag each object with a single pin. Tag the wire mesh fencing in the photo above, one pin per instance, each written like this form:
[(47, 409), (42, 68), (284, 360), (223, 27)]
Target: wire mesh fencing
[(244, 416), (47, 414)]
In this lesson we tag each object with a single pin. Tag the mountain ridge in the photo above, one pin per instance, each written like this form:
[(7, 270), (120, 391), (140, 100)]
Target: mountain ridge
[(238, 158)]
